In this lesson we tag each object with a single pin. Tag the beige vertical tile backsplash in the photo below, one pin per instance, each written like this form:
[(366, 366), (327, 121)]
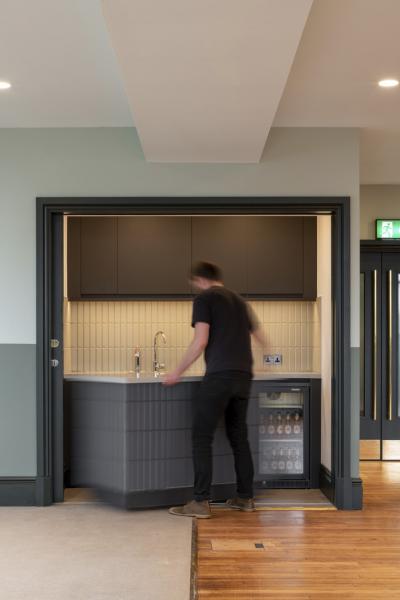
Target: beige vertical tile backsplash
[(100, 337)]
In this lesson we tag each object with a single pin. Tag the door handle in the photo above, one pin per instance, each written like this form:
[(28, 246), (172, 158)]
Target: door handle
[(390, 340), (375, 350)]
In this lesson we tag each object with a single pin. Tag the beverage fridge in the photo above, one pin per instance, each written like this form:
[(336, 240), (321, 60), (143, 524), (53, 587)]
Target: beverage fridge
[(288, 433)]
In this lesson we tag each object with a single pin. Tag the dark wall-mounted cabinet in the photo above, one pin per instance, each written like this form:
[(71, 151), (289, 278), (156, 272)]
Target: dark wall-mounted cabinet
[(92, 257), (153, 255), (128, 256), (282, 257), (150, 256), (223, 241)]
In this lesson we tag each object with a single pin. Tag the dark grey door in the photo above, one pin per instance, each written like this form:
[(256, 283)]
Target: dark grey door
[(370, 355), (391, 356), (380, 357)]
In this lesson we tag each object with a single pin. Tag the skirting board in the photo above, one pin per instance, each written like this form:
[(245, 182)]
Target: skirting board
[(160, 498), (348, 493), (326, 483), (17, 491), (345, 494)]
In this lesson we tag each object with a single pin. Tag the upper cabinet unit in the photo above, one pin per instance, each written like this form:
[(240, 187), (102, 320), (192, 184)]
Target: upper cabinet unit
[(150, 256), (282, 257), (128, 256), (153, 256), (92, 257), (222, 241)]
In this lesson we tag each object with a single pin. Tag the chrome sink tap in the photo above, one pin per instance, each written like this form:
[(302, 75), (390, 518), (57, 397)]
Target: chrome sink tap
[(157, 366), (136, 358)]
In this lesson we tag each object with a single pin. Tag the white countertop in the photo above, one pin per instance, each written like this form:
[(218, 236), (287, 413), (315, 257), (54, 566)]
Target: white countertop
[(130, 377)]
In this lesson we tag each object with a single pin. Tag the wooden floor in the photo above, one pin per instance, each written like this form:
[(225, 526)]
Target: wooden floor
[(307, 555)]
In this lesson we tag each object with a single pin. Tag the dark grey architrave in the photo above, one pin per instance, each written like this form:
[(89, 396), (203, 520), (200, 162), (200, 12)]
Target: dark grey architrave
[(347, 492)]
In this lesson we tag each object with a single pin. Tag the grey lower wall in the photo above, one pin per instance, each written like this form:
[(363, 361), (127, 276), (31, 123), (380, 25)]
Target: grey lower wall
[(17, 410)]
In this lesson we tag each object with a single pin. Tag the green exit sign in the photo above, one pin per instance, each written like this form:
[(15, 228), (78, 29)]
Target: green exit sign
[(388, 229)]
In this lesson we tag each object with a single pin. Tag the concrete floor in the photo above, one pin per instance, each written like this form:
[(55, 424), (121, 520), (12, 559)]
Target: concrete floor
[(89, 551)]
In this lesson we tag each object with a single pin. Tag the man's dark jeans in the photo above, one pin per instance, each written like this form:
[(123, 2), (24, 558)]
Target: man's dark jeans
[(226, 392)]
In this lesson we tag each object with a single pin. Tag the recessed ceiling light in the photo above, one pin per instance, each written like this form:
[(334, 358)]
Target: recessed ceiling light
[(388, 83), (4, 85)]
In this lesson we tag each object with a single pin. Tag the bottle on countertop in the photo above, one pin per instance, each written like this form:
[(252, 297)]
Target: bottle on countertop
[(136, 359)]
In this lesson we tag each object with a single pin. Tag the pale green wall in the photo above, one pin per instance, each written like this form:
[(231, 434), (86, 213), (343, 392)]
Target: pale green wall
[(377, 202), (109, 162)]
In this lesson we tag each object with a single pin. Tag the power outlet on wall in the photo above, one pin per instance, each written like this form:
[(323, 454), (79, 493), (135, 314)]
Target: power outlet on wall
[(273, 359)]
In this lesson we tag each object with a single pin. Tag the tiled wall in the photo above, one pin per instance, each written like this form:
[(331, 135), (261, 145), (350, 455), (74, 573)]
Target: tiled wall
[(100, 336)]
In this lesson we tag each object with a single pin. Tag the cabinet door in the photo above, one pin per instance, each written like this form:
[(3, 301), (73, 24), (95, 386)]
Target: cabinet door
[(222, 240), (153, 255), (92, 256), (73, 258), (98, 255), (281, 257)]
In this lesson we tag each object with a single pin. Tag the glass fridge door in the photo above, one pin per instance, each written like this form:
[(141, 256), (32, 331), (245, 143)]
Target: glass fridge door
[(281, 433)]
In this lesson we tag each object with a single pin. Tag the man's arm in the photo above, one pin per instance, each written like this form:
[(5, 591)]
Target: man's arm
[(196, 348), (258, 335)]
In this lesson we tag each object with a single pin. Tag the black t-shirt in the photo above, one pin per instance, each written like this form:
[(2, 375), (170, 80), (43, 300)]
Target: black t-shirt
[(231, 323)]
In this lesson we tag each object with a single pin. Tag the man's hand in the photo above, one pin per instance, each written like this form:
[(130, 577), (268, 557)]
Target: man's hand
[(198, 344), (171, 378)]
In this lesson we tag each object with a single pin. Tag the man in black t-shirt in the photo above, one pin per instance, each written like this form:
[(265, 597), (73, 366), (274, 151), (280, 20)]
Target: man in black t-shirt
[(223, 324)]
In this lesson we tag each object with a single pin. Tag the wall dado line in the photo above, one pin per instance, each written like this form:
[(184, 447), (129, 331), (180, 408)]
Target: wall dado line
[(100, 336)]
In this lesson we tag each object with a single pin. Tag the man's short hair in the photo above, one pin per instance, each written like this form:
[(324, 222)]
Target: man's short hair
[(206, 270)]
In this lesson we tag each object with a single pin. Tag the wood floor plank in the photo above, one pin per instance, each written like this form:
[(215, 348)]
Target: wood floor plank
[(307, 555)]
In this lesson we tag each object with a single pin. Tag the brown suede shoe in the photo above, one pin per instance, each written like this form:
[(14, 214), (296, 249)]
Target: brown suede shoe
[(200, 510), (244, 504)]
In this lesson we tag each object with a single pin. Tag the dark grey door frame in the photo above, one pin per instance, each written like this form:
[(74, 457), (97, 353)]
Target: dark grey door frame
[(344, 490)]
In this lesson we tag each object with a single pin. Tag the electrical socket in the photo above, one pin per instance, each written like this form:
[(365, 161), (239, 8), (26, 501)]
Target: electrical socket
[(273, 359)]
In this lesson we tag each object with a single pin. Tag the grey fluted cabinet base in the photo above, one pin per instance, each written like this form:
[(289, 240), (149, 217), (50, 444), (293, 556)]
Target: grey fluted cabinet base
[(131, 440), (132, 443)]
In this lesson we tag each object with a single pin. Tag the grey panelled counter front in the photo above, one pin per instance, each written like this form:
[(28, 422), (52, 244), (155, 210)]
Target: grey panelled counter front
[(131, 439)]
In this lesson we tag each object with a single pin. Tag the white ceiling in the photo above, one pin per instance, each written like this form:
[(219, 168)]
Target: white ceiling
[(347, 46), (59, 58), (57, 55), (204, 79)]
